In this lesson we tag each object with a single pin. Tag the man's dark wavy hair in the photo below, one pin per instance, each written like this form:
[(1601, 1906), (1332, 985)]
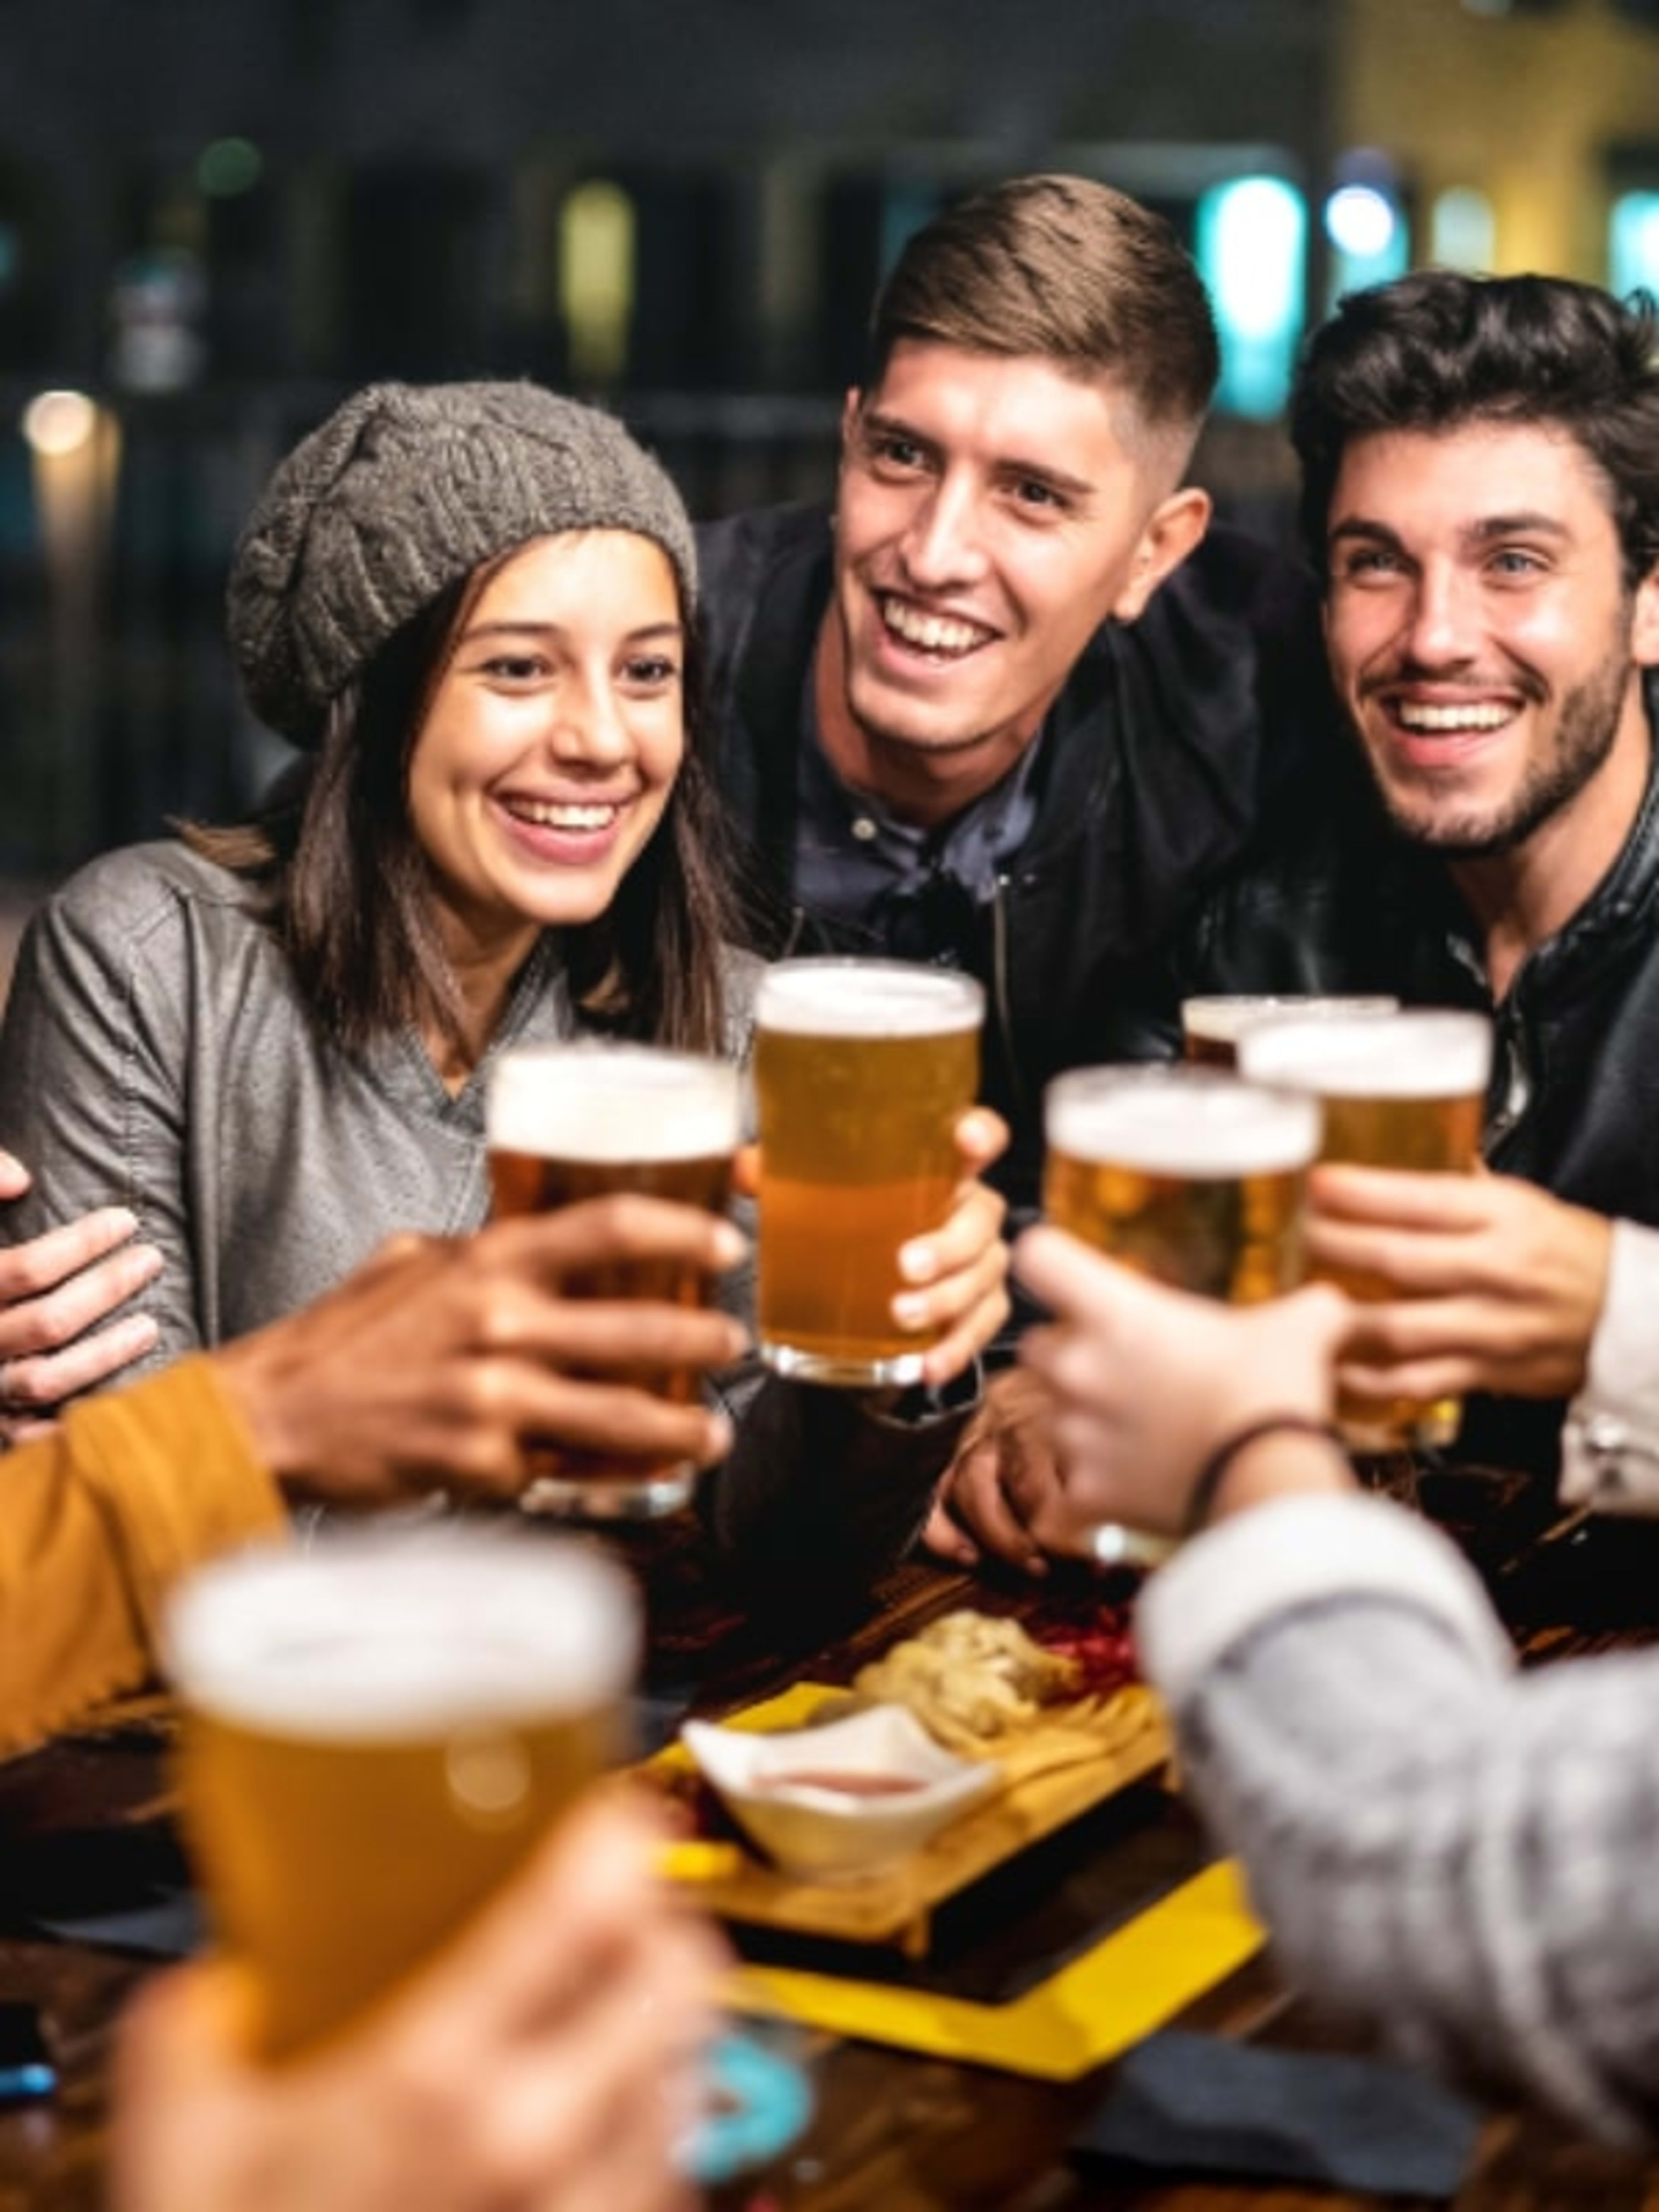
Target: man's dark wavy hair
[(1435, 350)]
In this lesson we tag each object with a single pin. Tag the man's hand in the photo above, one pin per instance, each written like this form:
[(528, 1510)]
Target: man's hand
[(53, 1292), (1147, 1381), (546, 2060), (1002, 1493), (959, 1274), (1487, 1283), (433, 1364)]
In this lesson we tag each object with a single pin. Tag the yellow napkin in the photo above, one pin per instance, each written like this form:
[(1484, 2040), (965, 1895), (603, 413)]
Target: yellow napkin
[(1132, 1982)]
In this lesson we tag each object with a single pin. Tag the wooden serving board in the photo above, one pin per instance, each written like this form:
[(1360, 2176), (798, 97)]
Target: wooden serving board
[(1079, 1754)]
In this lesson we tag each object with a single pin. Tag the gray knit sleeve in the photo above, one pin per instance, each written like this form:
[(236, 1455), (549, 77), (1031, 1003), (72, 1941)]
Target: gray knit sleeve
[(1459, 1856)]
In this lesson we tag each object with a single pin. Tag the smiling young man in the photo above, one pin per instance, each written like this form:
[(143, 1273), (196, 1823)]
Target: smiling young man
[(1016, 705), (1480, 463)]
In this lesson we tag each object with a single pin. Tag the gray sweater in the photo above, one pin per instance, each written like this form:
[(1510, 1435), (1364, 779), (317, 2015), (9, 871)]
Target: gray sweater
[(1461, 1855), (157, 1055)]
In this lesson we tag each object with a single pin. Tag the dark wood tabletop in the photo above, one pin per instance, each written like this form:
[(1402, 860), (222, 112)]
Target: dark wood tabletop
[(86, 1825)]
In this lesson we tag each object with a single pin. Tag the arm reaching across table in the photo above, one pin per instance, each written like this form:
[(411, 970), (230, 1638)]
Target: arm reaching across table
[(433, 1364), (1455, 1852)]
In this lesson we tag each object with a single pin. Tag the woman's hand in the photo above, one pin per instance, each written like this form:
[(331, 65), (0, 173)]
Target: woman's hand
[(54, 1290), (1145, 1382), (958, 1274), (1487, 1283)]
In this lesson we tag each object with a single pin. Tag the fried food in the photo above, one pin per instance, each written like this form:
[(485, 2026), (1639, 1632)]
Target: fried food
[(969, 1680)]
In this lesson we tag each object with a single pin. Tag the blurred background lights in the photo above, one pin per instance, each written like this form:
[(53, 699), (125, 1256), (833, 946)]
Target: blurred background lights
[(1461, 231), (59, 421), (1252, 248), (596, 246), (1360, 221), (227, 167), (1365, 220), (1634, 243)]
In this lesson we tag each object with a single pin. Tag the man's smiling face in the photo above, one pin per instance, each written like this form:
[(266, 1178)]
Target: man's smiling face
[(993, 512), (1482, 634)]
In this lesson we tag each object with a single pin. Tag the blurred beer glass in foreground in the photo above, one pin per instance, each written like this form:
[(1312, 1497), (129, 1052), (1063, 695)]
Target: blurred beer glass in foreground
[(377, 1731), (1212, 1027), (567, 1123), (862, 1069), (1405, 1092), (1185, 1174)]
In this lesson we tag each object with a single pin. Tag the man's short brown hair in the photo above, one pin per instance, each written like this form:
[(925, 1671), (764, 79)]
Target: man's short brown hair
[(1066, 268)]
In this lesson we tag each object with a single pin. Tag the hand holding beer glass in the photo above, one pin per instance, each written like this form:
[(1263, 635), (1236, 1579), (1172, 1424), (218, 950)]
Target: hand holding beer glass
[(377, 1732), (862, 1070), (1187, 1175), (569, 1122), (1406, 1091)]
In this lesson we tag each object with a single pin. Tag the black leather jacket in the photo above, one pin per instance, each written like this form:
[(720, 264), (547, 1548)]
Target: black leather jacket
[(1160, 770), (1574, 1102)]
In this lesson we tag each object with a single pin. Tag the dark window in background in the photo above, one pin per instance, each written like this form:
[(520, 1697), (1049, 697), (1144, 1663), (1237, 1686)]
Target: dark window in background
[(684, 330), (248, 332), (31, 271), (417, 274)]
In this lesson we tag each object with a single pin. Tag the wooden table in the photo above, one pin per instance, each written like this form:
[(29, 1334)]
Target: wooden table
[(893, 2133)]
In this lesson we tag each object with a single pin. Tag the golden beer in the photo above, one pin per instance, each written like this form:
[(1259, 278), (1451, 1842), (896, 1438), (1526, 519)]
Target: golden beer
[(572, 1122), (1211, 1027), (377, 1732), (1405, 1092), (1184, 1174), (862, 1069)]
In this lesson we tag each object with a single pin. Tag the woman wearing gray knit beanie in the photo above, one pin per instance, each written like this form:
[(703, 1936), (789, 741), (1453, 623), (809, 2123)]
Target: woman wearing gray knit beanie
[(472, 607)]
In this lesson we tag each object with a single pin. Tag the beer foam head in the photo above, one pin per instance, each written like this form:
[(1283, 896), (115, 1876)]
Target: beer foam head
[(1225, 1020), (402, 1634), (1179, 1121), (1432, 1054), (624, 1103), (867, 998)]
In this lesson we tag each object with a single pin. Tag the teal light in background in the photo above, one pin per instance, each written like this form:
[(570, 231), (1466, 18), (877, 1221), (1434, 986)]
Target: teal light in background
[(1369, 239), (1252, 252), (228, 166), (905, 207), (1462, 233), (1634, 243)]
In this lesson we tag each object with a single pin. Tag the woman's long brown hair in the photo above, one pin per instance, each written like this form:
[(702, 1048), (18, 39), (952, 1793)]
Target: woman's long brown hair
[(348, 889)]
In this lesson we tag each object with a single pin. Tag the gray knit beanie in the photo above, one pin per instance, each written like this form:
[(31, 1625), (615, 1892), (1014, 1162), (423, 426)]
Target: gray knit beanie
[(401, 492)]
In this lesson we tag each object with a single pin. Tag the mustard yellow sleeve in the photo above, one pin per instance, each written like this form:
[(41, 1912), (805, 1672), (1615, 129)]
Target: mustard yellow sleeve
[(97, 1521)]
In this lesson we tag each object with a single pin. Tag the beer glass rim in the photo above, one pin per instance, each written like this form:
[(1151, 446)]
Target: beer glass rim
[(596, 1100), (906, 998), (1248, 1008), (1422, 1052), (394, 1635), (1167, 1117)]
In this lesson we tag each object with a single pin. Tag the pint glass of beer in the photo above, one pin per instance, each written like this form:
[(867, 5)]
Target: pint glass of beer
[(1211, 1027), (1185, 1174), (376, 1732), (862, 1068), (567, 1122), (1408, 1092)]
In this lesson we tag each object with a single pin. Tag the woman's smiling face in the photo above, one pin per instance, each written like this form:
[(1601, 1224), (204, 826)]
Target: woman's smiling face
[(552, 739)]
